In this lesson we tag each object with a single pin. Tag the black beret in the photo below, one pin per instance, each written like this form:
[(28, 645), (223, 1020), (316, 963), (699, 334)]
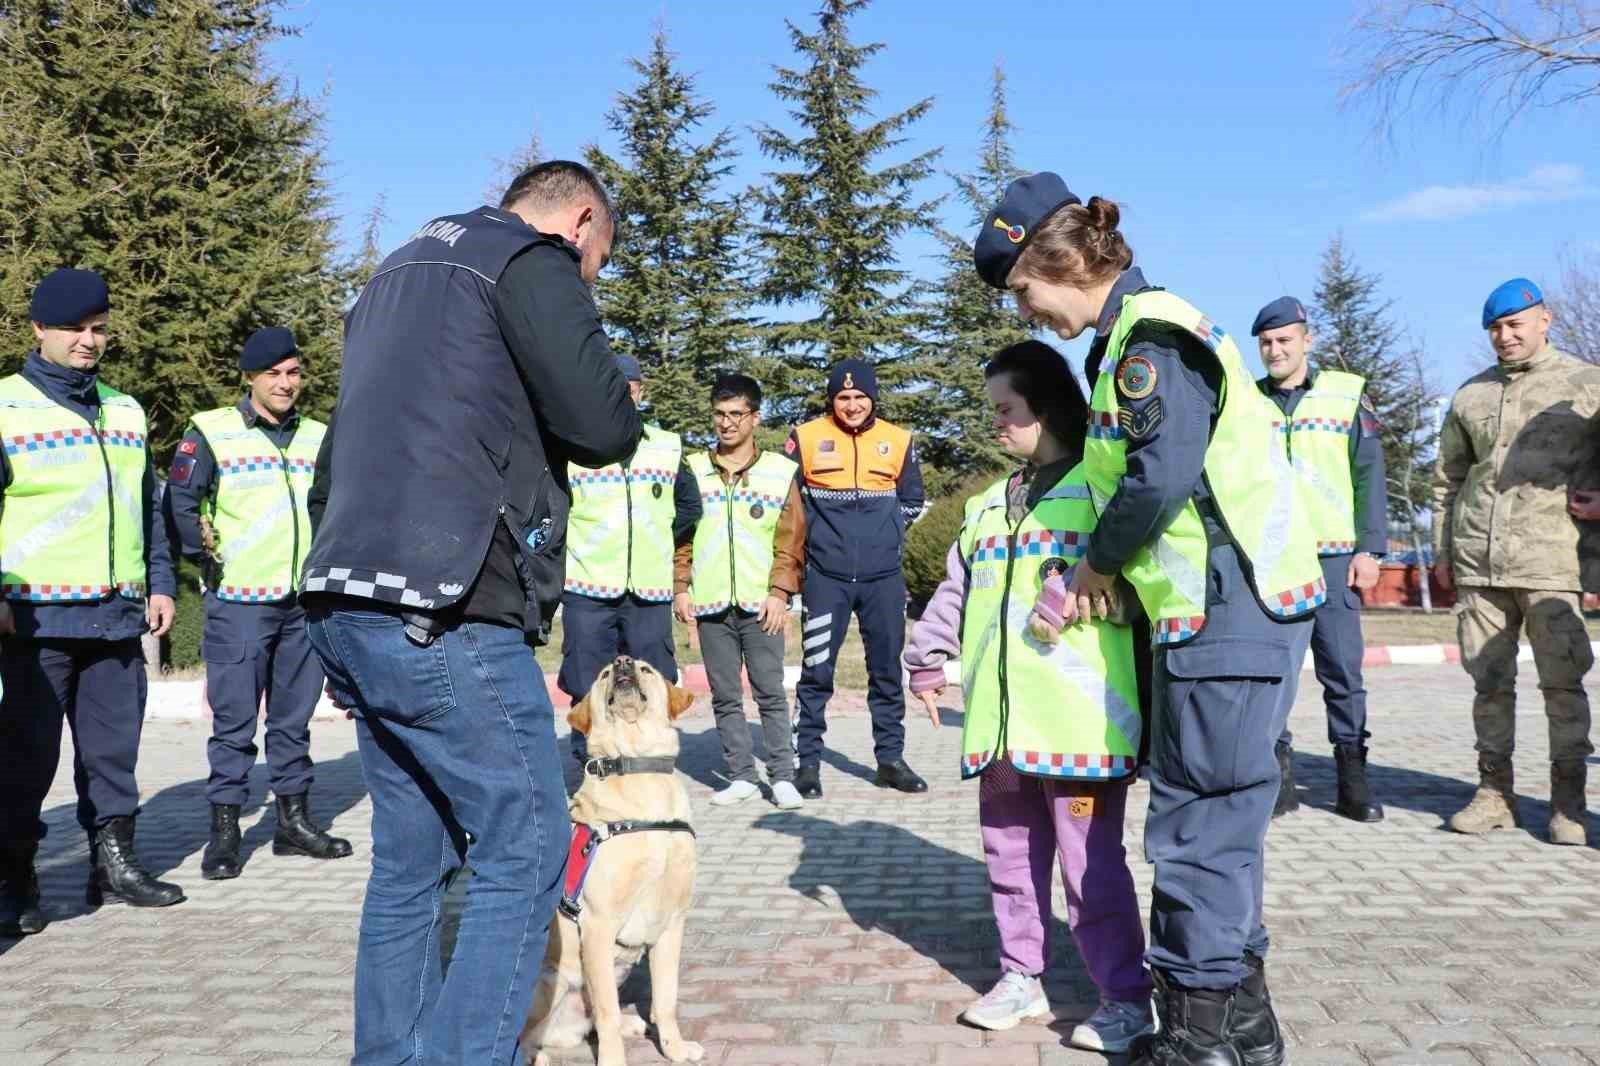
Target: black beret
[(267, 347), (1284, 311), (66, 297), (1011, 225)]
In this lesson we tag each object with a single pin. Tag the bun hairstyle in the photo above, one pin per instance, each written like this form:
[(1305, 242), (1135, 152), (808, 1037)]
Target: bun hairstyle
[(1079, 245)]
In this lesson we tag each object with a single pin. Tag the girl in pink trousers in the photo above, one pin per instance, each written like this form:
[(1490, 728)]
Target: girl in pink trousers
[(1052, 718)]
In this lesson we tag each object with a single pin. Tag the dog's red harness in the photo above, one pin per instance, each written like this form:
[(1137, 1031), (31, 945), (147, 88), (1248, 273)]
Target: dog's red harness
[(587, 838)]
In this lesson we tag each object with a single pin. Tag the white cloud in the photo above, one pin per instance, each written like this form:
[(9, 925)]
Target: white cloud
[(1436, 203)]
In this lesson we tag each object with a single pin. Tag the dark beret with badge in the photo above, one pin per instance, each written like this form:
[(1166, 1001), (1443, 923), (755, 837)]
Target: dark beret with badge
[(67, 296), (1512, 296), (1008, 228), (1284, 311), (266, 348)]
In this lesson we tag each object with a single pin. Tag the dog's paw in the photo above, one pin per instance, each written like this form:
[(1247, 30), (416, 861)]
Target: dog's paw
[(541, 1059), (632, 1025), (684, 1051)]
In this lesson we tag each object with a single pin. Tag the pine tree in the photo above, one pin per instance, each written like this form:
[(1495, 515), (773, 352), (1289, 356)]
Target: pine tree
[(370, 255), (146, 139), (830, 223), (1355, 332), (675, 293), (966, 323), (508, 167)]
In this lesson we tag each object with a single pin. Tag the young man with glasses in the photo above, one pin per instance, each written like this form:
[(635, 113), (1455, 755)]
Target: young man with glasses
[(734, 579)]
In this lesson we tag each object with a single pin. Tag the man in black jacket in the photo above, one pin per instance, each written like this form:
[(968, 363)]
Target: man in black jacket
[(474, 369)]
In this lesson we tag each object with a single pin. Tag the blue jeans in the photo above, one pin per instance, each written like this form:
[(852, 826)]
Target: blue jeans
[(458, 751)]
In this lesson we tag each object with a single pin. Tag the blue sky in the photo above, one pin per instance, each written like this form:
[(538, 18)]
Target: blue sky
[(1217, 127)]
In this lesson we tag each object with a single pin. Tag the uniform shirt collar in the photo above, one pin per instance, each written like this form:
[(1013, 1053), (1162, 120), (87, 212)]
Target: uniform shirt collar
[(248, 411), (1130, 281), (725, 470), (1543, 356)]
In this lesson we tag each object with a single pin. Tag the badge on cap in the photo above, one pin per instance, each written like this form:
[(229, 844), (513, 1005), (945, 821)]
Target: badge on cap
[(1014, 234), (756, 511), (1136, 377), (849, 382)]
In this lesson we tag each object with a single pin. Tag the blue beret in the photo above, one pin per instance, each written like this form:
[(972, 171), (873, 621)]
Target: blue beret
[(630, 368), (1284, 311), (1518, 294), (266, 348), (1011, 225), (66, 297)]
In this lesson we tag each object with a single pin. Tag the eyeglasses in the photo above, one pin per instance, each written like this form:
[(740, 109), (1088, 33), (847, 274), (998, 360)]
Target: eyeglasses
[(731, 418)]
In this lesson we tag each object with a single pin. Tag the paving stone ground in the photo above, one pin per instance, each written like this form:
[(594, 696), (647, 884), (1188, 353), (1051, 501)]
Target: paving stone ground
[(855, 931)]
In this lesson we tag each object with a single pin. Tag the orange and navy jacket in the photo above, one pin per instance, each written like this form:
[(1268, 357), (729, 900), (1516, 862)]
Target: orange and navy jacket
[(861, 489)]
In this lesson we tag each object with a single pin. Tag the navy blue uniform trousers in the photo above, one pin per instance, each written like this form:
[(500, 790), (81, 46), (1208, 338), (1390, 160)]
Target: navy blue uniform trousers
[(253, 649), (594, 632), (99, 688), (1220, 702), (1336, 650), (880, 610)]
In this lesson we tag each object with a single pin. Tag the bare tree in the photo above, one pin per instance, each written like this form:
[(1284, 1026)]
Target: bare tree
[(508, 167), (1495, 55), (1414, 424), (1576, 307)]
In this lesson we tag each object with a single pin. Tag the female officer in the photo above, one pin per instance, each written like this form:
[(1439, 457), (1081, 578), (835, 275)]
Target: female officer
[(1197, 510)]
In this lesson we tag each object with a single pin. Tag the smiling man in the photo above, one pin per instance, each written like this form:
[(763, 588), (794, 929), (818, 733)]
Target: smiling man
[(1519, 437), (236, 495)]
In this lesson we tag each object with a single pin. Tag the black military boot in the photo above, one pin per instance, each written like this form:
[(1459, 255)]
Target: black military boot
[(1288, 799), (1254, 1030), (897, 775), (808, 781), (1195, 1028), (115, 871), (298, 835), (1355, 797), (19, 891), (221, 859)]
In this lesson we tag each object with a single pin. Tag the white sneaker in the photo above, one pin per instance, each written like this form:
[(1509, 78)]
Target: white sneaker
[(1114, 1026), (737, 792), (786, 796), (1014, 997)]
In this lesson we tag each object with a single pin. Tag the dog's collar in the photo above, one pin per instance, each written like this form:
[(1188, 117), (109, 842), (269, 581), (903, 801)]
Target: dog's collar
[(604, 768)]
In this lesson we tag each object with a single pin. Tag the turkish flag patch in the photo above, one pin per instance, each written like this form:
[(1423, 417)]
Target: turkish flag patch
[(789, 446), (188, 447), (182, 467)]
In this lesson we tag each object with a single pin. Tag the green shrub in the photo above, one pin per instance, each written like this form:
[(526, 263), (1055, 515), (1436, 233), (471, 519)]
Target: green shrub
[(930, 538)]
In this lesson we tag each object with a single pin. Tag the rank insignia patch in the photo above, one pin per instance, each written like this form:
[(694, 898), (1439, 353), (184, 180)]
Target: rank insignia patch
[(1143, 422), (1136, 377)]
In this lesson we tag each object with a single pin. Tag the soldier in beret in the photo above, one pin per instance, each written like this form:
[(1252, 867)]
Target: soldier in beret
[(1520, 437), (84, 571), (1334, 445), (236, 496), (1199, 510)]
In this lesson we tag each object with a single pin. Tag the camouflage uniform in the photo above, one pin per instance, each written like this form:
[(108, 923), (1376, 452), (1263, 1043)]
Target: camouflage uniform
[(1517, 437)]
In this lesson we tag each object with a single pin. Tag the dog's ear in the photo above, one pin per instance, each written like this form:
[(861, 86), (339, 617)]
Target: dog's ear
[(578, 717), (678, 701)]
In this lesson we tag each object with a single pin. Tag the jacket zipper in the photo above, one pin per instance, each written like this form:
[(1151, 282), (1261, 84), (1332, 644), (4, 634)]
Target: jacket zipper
[(294, 511), (733, 588), (111, 495), (855, 476), (1005, 626), (627, 493)]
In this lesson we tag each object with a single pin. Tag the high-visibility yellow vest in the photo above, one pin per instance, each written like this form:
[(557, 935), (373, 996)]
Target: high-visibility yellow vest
[(619, 534), (72, 528), (258, 504), (733, 542), (1068, 710), (1247, 469), (1319, 444)]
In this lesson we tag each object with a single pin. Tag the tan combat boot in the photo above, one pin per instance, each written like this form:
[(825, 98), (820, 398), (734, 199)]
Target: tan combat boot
[(1567, 780), (1494, 806)]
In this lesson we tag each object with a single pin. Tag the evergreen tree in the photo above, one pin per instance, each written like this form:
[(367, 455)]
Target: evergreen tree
[(966, 323), (147, 140), (830, 223), (675, 293), (1356, 332), (371, 254), (507, 168)]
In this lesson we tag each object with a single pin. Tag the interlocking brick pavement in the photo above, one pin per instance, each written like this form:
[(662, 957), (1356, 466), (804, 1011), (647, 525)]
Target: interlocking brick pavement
[(852, 933)]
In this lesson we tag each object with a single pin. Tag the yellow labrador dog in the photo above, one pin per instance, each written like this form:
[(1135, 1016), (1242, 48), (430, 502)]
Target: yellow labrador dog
[(630, 874)]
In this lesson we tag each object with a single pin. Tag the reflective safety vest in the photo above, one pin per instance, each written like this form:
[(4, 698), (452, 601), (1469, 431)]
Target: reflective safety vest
[(1319, 444), (733, 542), (1068, 710), (257, 504), (1260, 500), (72, 529), (619, 534)]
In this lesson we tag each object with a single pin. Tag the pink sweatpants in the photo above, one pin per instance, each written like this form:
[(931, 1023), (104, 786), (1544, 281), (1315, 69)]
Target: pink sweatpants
[(1029, 821)]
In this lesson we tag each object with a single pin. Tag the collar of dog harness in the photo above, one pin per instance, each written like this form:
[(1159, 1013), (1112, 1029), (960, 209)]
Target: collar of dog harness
[(585, 839), (604, 768)]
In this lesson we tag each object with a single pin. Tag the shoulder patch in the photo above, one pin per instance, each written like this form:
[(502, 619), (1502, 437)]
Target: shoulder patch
[(189, 447), (790, 445), (182, 467), (1136, 377), (1143, 422), (1366, 403)]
